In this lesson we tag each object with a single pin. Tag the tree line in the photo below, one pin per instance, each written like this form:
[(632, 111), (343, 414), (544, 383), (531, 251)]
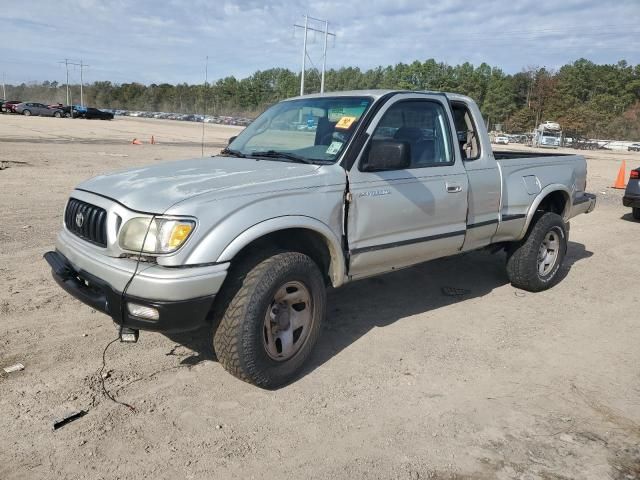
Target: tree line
[(587, 99)]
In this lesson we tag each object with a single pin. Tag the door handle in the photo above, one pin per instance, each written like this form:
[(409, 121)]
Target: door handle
[(453, 188)]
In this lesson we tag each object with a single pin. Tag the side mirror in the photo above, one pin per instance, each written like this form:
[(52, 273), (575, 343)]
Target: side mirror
[(388, 155), (232, 139)]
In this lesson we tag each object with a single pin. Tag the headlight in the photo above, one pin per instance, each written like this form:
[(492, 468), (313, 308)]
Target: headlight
[(165, 235)]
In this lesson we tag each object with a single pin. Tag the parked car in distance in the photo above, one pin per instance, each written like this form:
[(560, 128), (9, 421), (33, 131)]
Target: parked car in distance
[(94, 113), (632, 193), (9, 106), (32, 108), (502, 140), (634, 147)]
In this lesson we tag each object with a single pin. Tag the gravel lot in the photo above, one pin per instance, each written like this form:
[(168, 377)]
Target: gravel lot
[(405, 383)]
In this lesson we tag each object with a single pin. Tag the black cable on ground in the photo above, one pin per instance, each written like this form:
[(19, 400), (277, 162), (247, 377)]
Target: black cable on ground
[(104, 388), (122, 314)]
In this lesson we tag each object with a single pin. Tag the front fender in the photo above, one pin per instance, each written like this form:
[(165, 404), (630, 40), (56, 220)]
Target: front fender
[(337, 267)]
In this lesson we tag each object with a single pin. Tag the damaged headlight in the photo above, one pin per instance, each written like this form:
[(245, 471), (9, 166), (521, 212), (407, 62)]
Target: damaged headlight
[(165, 235)]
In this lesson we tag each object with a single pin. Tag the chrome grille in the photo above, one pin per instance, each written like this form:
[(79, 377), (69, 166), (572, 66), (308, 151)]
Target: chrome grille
[(87, 221)]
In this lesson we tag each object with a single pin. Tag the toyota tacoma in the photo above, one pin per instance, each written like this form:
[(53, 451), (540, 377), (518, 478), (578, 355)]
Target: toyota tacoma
[(249, 240)]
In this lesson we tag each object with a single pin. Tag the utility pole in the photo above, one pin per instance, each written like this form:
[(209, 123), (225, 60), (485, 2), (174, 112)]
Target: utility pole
[(304, 53), (4, 91), (66, 65), (326, 34), (82, 65), (204, 98), (324, 54)]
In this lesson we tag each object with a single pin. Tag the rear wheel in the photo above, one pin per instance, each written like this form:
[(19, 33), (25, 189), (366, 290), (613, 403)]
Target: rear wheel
[(58, 114), (534, 263), (636, 213), (26, 113), (271, 320)]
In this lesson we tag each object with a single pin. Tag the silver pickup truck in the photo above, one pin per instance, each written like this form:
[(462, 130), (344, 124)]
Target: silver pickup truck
[(318, 191)]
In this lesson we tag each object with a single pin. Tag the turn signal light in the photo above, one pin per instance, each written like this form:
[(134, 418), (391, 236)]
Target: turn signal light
[(179, 234)]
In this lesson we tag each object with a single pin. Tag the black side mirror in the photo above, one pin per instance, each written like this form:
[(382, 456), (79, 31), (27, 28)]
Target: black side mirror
[(232, 139), (388, 155)]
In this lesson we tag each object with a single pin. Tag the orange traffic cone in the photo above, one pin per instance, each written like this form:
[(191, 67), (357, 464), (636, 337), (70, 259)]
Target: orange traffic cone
[(136, 142), (153, 140), (622, 175)]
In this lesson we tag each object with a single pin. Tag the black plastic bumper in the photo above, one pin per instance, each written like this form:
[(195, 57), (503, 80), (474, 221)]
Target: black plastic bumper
[(632, 201), (174, 316)]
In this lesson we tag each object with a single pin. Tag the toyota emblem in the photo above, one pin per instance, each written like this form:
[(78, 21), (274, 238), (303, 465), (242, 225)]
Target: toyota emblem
[(79, 219)]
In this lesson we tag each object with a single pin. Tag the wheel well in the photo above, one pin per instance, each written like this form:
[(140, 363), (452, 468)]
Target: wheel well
[(555, 202), (299, 240)]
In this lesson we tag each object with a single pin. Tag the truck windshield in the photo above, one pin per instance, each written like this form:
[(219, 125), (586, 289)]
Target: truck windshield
[(309, 130)]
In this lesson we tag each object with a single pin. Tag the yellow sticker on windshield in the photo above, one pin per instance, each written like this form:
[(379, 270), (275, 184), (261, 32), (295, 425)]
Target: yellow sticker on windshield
[(345, 123)]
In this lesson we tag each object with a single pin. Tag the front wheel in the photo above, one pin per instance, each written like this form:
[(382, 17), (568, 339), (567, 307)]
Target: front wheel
[(534, 263), (26, 113), (272, 320), (57, 115)]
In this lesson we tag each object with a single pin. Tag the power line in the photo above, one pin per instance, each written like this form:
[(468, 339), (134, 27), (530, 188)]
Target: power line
[(81, 65), (326, 34)]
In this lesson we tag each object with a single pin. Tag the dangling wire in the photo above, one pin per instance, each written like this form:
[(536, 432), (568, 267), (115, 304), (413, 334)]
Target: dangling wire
[(122, 312), (104, 387)]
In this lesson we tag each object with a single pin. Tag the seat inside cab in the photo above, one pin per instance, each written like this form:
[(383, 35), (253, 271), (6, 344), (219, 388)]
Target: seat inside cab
[(466, 131)]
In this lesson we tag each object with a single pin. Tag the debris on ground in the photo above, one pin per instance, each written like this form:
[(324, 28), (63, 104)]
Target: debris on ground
[(455, 292), (9, 163), (14, 368), (70, 417)]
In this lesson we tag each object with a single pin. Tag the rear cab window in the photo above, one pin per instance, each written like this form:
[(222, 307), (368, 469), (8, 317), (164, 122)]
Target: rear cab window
[(466, 131)]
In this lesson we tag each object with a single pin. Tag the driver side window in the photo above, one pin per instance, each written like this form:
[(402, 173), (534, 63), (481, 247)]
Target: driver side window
[(422, 125)]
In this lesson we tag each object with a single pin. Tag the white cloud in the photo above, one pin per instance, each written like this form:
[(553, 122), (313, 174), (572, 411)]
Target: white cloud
[(152, 41)]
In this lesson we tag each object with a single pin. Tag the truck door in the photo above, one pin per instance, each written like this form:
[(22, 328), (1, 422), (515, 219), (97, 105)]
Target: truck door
[(399, 217)]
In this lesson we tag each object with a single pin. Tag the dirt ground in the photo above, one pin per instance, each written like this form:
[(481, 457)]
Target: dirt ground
[(405, 383)]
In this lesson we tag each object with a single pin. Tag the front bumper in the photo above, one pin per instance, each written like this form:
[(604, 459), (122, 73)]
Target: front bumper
[(175, 314), (632, 201)]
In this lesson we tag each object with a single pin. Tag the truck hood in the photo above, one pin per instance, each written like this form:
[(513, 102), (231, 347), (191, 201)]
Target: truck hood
[(155, 188)]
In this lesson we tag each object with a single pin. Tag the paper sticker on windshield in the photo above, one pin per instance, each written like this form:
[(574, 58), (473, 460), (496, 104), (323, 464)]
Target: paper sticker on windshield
[(334, 148), (345, 123)]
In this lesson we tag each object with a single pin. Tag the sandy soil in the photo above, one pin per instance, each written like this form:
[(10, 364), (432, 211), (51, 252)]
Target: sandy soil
[(405, 383)]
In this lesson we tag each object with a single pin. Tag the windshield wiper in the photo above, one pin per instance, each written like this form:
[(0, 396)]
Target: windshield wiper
[(232, 153), (287, 155)]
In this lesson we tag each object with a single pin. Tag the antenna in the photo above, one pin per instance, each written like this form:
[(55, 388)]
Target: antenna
[(204, 99)]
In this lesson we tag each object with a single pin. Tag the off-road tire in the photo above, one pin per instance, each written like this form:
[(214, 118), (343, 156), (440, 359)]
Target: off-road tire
[(522, 257), (636, 213), (238, 338)]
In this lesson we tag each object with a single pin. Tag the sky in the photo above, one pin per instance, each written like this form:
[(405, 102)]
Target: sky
[(157, 41)]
